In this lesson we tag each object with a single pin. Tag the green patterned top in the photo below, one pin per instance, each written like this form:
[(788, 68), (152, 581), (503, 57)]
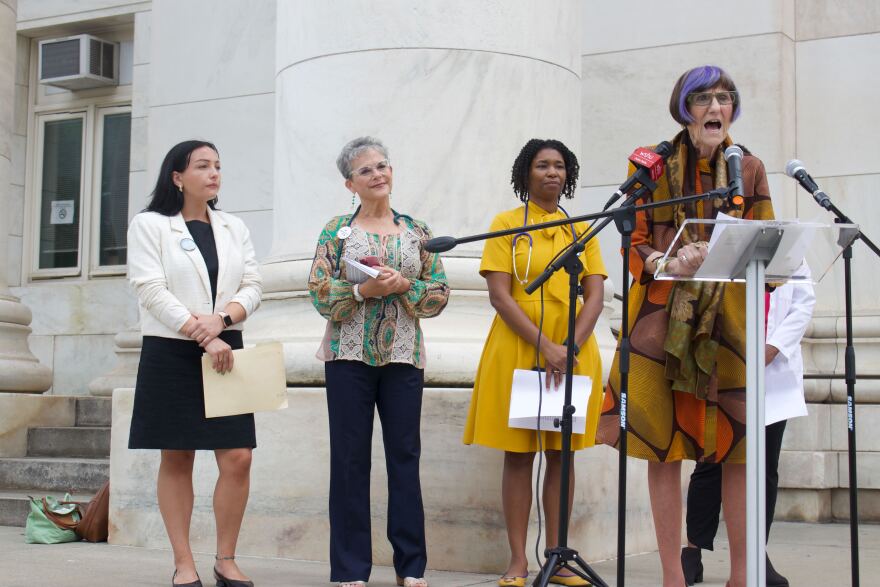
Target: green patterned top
[(383, 330)]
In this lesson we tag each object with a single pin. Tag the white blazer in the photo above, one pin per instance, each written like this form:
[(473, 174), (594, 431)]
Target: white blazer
[(791, 308), (172, 283)]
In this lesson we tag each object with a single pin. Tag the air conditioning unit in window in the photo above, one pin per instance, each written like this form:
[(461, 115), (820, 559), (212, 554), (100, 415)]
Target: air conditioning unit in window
[(79, 62)]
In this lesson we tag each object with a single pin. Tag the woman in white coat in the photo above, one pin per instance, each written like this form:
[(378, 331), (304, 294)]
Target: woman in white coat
[(789, 310), (195, 274)]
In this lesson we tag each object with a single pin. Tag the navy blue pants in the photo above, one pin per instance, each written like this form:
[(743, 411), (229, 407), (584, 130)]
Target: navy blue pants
[(704, 492), (354, 391)]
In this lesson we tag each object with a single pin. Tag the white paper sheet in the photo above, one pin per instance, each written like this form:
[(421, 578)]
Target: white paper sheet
[(524, 401), (358, 272), (791, 250), (726, 247)]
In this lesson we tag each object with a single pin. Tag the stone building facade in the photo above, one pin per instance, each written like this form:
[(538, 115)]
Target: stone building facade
[(454, 88)]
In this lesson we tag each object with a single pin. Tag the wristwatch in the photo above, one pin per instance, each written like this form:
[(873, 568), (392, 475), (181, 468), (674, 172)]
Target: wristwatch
[(355, 291), (227, 319)]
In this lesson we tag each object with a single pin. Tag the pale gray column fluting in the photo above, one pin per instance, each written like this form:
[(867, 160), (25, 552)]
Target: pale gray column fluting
[(20, 371), (454, 89)]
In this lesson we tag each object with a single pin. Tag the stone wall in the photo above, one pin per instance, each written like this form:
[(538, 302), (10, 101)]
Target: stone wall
[(455, 88), (803, 70)]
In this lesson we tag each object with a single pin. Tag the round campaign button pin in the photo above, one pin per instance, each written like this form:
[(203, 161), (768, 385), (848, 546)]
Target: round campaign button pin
[(344, 232), (188, 244)]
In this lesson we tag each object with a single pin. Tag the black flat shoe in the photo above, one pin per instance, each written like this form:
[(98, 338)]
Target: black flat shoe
[(692, 565), (774, 579), (225, 582), (196, 583)]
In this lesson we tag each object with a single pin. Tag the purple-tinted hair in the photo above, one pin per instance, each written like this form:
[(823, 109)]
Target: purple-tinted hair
[(696, 80)]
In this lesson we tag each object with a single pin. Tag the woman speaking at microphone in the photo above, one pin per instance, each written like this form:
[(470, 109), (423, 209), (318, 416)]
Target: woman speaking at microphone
[(686, 397), (531, 330)]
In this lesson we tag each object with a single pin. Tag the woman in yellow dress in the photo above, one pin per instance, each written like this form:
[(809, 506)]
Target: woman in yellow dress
[(543, 172)]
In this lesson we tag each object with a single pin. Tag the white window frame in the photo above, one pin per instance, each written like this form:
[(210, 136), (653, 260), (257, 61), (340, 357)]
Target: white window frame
[(46, 103), (96, 270), (92, 116), (84, 188)]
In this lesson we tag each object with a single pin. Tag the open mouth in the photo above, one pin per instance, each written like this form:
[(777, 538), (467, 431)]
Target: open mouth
[(713, 125)]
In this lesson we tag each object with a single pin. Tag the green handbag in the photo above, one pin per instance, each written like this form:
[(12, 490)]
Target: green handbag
[(51, 521)]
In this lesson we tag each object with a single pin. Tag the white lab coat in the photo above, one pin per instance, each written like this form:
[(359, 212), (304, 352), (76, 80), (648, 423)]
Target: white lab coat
[(791, 308)]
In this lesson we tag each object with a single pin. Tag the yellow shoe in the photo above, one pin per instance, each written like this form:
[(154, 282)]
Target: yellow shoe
[(570, 580), (508, 581)]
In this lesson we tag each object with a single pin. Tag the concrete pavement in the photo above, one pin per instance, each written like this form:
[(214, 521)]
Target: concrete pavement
[(808, 554)]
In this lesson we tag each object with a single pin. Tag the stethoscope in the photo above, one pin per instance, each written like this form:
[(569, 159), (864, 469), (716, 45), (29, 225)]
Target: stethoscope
[(528, 235), (345, 232)]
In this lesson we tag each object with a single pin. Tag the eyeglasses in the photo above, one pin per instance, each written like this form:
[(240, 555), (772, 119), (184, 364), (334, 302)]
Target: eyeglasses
[(705, 98), (367, 171)]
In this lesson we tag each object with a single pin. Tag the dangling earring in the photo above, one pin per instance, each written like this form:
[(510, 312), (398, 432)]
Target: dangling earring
[(180, 187), (353, 194)]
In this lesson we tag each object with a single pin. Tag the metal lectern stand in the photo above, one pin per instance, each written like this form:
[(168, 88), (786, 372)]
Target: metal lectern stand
[(760, 252)]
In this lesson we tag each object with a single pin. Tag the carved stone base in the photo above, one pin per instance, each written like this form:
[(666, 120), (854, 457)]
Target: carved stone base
[(128, 350), (20, 370)]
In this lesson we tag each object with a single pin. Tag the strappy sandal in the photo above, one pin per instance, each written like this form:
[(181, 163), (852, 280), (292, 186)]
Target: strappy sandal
[(412, 582)]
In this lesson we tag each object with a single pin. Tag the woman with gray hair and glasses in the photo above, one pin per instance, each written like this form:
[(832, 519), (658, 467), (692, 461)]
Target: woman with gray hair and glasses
[(374, 359)]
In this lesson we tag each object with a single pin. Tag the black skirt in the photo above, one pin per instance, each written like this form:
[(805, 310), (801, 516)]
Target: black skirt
[(169, 402)]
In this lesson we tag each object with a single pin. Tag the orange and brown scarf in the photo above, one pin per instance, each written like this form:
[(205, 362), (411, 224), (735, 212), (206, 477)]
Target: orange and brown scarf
[(694, 307)]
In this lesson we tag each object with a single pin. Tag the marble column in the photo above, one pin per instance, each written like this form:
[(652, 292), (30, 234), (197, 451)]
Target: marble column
[(453, 89), (124, 374), (20, 371)]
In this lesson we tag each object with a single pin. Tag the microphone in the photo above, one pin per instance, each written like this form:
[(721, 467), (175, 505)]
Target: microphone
[(734, 155), (795, 169), (440, 244), (649, 167)]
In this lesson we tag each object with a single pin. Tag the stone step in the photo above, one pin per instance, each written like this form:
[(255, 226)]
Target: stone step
[(91, 441), (15, 505), (93, 411), (76, 475)]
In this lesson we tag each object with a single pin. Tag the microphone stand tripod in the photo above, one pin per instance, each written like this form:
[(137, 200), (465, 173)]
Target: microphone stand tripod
[(561, 556), (850, 375)]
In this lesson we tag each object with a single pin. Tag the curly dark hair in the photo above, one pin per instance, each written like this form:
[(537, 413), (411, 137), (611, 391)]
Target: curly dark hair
[(519, 173)]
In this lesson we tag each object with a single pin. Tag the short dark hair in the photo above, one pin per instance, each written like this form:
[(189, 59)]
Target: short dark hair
[(166, 198), (699, 79), (519, 173)]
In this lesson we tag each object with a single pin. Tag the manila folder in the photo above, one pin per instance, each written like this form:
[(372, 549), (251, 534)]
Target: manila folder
[(257, 382)]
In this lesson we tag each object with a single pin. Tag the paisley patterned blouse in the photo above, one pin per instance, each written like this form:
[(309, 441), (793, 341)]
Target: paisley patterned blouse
[(383, 330)]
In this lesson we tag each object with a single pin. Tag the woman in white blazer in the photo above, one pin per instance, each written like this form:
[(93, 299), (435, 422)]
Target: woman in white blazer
[(196, 278), (789, 311)]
